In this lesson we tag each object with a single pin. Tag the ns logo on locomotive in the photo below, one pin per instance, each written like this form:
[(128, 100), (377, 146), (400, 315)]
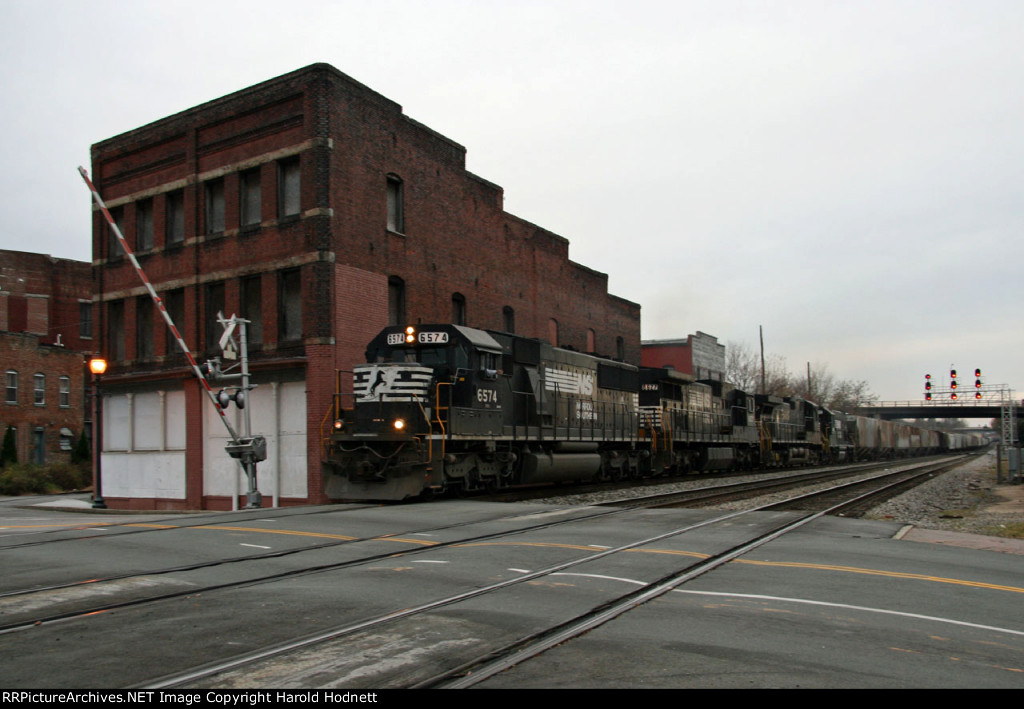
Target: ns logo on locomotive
[(448, 407)]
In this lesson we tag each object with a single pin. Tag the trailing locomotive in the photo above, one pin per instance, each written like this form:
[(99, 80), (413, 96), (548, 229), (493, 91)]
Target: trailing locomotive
[(447, 407)]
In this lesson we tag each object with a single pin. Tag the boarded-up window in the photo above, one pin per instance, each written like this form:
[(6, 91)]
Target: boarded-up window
[(115, 250), (214, 197), (553, 332), (175, 208), (396, 207), (214, 305), (288, 188), (396, 301), (144, 328), (115, 330), (458, 309), (252, 310), (290, 306), (508, 316), (250, 199), (144, 225), (174, 303)]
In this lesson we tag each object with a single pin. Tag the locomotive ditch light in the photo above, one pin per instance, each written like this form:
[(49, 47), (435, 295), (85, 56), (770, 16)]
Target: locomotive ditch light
[(338, 424), (399, 424)]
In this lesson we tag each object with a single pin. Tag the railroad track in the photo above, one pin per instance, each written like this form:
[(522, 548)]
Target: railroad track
[(256, 661)]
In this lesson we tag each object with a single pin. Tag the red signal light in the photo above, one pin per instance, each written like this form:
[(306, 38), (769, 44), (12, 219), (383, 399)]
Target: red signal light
[(977, 395), (928, 396), (977, 372), (953, 396), (952, 384)]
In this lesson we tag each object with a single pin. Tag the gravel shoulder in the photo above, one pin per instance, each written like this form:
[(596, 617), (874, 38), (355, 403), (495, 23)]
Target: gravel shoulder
[(967, 500)]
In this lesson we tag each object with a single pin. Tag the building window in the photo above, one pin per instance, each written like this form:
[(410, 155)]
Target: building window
[(175, 217), (39, 389), (249, 199), (553, 331), (65, 392), (213, 192), (144, 225), (458, 309), (591, 340), (508, 318), (214, 306), (174, 304), (115, 250), (396, 301), (252, 310), (396, 207), (85, 320), (288, 188), (290, 306), (143, 327), (620, 348), (115, 330), (11, 385), (67, 439)]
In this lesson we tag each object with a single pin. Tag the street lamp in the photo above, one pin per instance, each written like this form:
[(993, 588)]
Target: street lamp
[(97, 365)]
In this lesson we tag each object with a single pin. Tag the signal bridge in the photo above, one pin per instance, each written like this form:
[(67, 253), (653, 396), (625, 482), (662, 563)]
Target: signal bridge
[(986, 402)]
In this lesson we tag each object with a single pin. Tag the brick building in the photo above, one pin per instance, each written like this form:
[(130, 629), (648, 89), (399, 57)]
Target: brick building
[(700, 355), (314, 207), (45, 327)]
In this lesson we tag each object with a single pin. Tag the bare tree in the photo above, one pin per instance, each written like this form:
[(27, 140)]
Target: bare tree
[(743, 370)]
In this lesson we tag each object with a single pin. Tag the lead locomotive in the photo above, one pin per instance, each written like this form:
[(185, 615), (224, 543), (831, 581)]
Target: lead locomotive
[(441, 407)]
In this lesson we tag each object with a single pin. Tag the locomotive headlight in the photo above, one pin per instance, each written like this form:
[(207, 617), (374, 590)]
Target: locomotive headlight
[(338, 424), (399, 424), (410, 334)]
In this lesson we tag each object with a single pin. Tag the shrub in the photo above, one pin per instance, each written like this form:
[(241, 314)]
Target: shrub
[(25, 479)]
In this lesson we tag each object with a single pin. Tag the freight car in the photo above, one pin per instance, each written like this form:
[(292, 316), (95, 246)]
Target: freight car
[(447, 407)]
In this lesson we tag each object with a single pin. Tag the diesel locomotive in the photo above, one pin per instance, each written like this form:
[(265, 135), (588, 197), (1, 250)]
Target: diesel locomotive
[(451, 408)]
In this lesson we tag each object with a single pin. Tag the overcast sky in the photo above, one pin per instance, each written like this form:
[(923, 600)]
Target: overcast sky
[(846, 174)]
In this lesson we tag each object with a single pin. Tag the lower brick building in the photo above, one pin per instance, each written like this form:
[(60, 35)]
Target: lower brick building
[(45, 333), (313, 207), (700, 355), (43, 397)]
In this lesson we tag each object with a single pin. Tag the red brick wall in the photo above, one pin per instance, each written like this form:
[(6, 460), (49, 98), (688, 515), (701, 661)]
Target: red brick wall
[(348, 140), (26, 355)]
